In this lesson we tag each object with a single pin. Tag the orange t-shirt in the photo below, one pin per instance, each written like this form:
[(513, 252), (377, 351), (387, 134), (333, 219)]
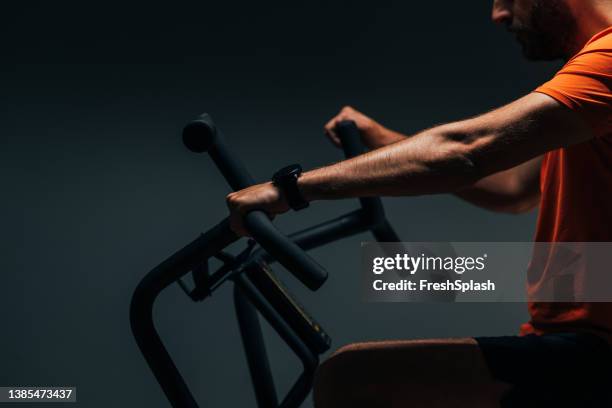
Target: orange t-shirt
[(576, 183)]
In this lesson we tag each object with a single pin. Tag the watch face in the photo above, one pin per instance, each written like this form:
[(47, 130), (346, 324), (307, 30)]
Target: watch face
[(286, 172), (286, 180)]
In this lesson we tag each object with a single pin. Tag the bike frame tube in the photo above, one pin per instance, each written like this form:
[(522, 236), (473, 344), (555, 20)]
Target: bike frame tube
[(255, 350), (309, 360), (141, 309)]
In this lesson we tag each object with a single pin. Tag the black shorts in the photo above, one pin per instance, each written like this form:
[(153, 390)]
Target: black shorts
[(552, 370)]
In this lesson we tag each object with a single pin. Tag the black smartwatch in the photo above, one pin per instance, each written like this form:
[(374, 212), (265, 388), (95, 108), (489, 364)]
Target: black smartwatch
[(286, 181)]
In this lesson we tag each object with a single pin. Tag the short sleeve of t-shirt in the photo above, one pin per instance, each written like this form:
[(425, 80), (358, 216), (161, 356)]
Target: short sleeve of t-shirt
[(584, 84)]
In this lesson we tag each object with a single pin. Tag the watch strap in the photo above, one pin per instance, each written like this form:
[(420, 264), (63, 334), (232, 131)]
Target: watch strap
[(294, 197), (286, 180)]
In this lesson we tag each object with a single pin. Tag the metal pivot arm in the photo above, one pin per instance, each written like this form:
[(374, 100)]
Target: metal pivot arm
[(255, 348), (277, 295)]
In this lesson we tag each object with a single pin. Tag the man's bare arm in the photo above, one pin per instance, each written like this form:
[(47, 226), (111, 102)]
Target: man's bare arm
[(451, 157), (514, 191), (444, 159)]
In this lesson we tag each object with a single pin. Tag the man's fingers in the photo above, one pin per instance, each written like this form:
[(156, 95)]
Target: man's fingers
[(334, 139), (346, 113), (261, 197), (330, 126), (330, 131), (235, 217)]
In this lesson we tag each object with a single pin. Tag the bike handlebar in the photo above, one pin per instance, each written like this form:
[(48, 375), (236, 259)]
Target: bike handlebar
[(350, 138), (305, 338), (201, 135)]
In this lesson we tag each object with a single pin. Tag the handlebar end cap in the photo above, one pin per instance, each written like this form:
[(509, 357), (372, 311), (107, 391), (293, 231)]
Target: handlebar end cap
[(199, 135)]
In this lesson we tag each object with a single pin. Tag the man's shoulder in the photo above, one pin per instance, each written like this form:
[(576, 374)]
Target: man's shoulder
[(595, 58), (601, 41)]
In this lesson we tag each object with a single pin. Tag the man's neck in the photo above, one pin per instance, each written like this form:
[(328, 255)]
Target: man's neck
[(591, 18)]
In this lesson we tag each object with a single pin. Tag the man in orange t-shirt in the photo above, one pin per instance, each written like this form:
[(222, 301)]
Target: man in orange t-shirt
[(552, 148)]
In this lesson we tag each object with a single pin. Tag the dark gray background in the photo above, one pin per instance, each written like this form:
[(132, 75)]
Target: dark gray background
[(97, 187)]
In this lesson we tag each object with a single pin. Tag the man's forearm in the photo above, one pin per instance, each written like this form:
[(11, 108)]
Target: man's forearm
[(433, 161), (514, 190), (450, 157), (387, 137)]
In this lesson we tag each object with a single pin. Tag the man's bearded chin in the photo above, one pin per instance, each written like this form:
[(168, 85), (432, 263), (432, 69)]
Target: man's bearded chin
[(539, 47), (547, 35)]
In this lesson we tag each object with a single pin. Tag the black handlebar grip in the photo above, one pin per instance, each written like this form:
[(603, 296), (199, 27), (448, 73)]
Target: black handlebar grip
[(350, 137), (201, 135), (288, 254)]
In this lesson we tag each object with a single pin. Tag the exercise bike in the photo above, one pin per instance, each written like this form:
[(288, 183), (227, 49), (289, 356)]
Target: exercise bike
[(257, 290)]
